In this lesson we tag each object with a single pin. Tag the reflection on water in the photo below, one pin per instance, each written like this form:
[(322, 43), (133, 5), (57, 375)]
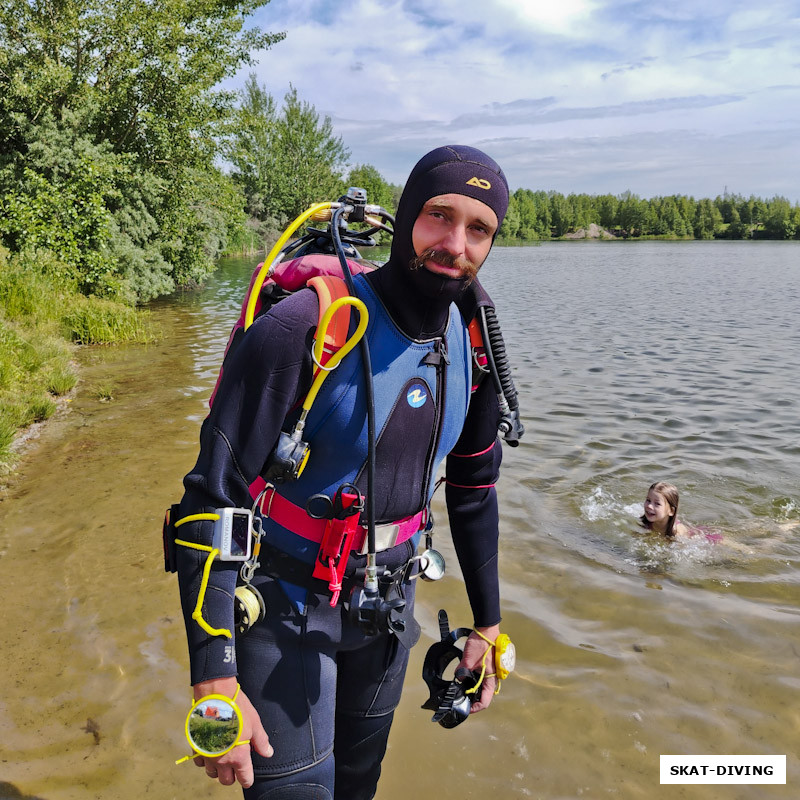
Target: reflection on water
[(635, 362)]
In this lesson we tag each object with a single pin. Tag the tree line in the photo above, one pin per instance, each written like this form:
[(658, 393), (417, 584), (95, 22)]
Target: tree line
[(286, 158), (110, 188), (545, 215)]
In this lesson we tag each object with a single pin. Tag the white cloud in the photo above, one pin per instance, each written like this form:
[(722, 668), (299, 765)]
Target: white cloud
[(689, 81), (565, 18)]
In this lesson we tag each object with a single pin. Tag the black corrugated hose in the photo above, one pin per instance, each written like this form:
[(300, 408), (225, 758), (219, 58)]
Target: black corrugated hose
[(510, 425)]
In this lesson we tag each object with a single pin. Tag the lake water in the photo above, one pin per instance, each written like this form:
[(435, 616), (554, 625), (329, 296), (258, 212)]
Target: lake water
[(634, 362)]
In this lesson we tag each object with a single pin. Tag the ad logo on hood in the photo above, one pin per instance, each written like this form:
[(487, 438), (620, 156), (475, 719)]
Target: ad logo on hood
[(480, 183)]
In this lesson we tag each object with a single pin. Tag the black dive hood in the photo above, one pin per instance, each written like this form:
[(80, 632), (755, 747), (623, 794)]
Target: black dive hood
[(418, 299)]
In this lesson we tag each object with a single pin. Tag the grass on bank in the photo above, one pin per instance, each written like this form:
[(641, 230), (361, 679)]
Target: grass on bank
[(42, 318)]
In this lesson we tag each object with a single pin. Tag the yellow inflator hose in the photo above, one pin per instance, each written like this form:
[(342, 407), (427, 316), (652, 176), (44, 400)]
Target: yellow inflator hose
[(266, 266)]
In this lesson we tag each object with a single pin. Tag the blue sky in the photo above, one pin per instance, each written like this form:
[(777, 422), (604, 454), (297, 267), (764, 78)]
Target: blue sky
[(571, 95)]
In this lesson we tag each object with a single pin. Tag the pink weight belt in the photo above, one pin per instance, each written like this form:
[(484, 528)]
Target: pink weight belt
[(296, 519)]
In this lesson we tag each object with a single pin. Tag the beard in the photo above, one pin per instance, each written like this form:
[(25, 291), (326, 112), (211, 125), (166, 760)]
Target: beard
[(469, 269)]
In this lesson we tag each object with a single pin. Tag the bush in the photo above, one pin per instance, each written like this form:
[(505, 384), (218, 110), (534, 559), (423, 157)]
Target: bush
[(34, 366), (92, 320), (40, 314)]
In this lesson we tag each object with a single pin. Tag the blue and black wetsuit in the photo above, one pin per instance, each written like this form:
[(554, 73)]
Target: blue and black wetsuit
[(325, 691)]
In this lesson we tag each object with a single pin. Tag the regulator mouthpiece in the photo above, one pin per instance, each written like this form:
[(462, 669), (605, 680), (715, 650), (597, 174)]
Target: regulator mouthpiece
[(287, 459)]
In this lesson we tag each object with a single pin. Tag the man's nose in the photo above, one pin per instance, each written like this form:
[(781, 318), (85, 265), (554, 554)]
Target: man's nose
[(455, 240)]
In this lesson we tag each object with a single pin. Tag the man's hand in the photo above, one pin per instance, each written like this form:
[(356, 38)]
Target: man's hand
[(236, 764), (474, 651)]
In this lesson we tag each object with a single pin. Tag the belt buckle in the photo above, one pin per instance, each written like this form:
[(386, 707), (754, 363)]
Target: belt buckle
[(385, 537)]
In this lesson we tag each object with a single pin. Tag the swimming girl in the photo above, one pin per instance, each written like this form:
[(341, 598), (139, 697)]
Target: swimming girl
[(661, 511), (661, 516)]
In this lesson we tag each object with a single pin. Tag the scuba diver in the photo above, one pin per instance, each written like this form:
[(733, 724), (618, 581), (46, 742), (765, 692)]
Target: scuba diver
[(316, 679)]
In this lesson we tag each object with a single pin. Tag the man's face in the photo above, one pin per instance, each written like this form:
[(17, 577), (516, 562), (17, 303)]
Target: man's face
[(453, 235)]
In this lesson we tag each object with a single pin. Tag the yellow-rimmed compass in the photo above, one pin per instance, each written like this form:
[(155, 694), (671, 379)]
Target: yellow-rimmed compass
[(505, 656)]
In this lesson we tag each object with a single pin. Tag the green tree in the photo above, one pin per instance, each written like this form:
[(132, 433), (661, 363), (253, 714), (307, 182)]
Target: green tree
[(736, 228), (707, 221), (108, 133), (778, 223), (510, 227), (285, 160), (687, 208), (534, 214), (745, 210), (583, 213), (379, 192), (311, 158), (758, 211), (607, 206), (632, 214), (562, 214), (252, 148), (728, 206), (795, 221)]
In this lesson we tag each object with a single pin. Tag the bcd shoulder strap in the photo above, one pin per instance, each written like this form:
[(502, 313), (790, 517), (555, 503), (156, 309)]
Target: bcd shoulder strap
[(320, 272), (479, 360)]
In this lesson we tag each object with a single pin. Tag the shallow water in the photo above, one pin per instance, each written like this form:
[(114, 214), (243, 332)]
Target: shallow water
[(634, 362)]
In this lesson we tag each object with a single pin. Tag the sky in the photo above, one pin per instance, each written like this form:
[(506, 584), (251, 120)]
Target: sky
[(681, 97)]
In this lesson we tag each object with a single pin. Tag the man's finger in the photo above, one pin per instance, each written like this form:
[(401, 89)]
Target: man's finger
[(258, 736), (260, 742), (244, 773), (486, 695), (226, 774)]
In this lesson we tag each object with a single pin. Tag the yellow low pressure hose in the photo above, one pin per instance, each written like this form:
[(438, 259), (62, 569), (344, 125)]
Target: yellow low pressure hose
[(265, 267), (319, 344)]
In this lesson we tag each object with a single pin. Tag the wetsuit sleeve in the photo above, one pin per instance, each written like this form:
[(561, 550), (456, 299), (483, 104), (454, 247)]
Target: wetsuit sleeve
[(263, 379), (473, 468)]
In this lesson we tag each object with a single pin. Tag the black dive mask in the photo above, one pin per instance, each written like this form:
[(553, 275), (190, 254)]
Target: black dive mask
[(448, 699)]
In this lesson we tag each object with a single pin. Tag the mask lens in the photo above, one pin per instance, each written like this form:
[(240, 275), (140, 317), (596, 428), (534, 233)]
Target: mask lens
[(453, 708)]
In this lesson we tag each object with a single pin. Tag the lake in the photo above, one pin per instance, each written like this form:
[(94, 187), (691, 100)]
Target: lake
[(635, 362)]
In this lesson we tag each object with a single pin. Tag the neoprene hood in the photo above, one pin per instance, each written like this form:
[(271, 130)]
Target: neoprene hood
[(454, 169), (418, 299)]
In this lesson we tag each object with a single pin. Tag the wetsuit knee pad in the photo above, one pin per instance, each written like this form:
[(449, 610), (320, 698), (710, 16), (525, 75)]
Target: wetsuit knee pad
[(298, 791), (314, 783)]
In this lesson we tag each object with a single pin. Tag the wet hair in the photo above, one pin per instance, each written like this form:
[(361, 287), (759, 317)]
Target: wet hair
[(670, 494)]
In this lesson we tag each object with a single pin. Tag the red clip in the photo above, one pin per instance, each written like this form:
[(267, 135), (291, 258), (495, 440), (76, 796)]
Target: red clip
[(334, 550)]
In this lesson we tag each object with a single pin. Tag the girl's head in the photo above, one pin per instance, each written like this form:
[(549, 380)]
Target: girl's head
[(660, 508)]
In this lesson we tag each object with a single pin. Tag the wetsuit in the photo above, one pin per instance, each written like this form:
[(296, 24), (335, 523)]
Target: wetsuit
[(325, 691)]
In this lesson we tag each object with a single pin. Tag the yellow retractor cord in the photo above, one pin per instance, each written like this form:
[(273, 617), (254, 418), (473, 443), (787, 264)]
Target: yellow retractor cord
[(484, 674), (213, 552)]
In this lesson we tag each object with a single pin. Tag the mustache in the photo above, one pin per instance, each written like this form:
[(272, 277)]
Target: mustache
[(467, 267)]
